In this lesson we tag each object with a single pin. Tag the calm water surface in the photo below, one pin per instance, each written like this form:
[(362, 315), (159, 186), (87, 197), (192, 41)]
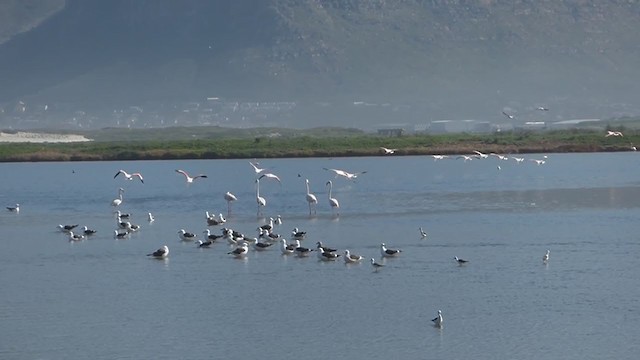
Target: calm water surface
[(102, 298)]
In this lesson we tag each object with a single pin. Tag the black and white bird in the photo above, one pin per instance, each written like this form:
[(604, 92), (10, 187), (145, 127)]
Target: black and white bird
[(161, 253), (545, 257), (67, 228), (509, 116), (286, 248), (150, 217), (388, 252), (122, 215), (129, 176), (301, 250), (326, 255), (460, 261), (388, 151), (297, 234), (240, 251), (211, 237), (88, 231), (325, 248), (186, 236), (438, 321), (15, 209), (376, 265), (205, 244), (120, 234), (542, 108), (75, 237), (347, 175), (189, 178), (350, 258), (423, 234)]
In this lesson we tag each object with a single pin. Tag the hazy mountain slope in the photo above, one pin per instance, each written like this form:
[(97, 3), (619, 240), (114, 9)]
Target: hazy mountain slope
[(447, 58)]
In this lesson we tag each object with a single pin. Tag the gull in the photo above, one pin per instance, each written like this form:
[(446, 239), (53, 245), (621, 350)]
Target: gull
[(211, 219), (15, 209), (545, 257), (120, 214), (205, 244), (278, 220), (509, 116), (438, 320), (481, 155), (350, 258), (67, 228), (423, 234), (120, 235), (131, 227), (161, 253), (376, 265), (388, 151), (210, 236), (267, 227), (260, 246), (613, 133), (285, 248), (325, 248), (345, 174), (460, 261), (117, 201), (240, 251), (189, 178), (88, 231), (302, 251), (186, 236), (129, 176), (388, 252), (296, 234), (255, 168), (75, 237), (270, 176), (327, 255)]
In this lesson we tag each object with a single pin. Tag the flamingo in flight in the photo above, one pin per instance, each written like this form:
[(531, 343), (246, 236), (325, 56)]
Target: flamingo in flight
[(345, 174), (189, 178), (129, 176)]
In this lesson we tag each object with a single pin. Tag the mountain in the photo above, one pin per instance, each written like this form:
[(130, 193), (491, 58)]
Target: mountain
[(345, 62)]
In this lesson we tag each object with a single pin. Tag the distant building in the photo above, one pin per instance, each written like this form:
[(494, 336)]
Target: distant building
[(391, 132)]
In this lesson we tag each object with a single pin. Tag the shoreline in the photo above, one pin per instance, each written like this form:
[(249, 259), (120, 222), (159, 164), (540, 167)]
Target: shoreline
[(33, 137)]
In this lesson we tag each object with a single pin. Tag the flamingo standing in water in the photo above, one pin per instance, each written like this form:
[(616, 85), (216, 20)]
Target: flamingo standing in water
[(229, 197), (262, 202), (118, 200), (311, 199), (335, 205)]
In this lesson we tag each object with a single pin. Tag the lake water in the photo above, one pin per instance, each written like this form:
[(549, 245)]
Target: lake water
[(103, 298)]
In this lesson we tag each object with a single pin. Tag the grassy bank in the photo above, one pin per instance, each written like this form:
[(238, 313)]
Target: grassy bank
[(271, 143)]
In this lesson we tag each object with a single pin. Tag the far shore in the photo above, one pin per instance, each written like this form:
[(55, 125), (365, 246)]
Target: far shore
[(32, 137)]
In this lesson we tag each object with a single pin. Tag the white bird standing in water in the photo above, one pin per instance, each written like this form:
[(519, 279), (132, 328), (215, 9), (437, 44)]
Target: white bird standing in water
[(262, 202), (118, 200), (15, 209), (438, 321), (229, 197), (311, 199), (545, 257), (333, 202)]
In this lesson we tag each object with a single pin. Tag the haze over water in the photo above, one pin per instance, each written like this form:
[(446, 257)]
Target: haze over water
[(103, 298)]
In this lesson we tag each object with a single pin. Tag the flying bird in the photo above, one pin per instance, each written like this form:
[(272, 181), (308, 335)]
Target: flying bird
[(345, 174), (388, 151), (460, 261), (509, 116), (15, 209), (256, 168), (423, 234), (542, 108), (129, 176), (613, 133), (189, 178), (270, 176)]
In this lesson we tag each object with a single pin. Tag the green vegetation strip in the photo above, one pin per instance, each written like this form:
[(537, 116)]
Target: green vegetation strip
[(327, 143)]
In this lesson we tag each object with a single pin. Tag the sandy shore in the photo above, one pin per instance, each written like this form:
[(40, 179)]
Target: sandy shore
[(40, 137)]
